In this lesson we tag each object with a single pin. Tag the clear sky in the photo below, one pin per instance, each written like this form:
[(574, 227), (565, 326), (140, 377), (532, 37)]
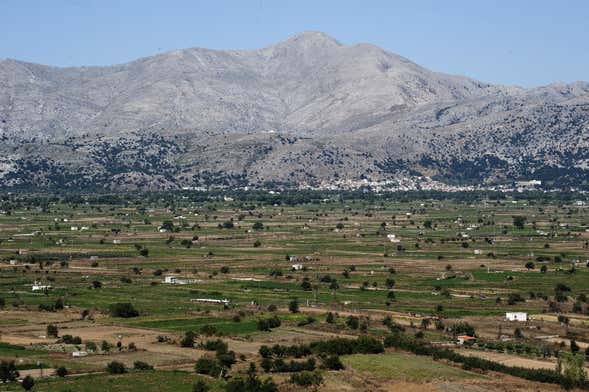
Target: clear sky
[(523, 42)]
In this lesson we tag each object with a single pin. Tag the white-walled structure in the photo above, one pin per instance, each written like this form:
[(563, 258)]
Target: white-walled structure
[(516, 316)]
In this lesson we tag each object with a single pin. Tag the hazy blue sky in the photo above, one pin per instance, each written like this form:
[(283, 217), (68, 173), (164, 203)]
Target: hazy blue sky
[(525, 42)]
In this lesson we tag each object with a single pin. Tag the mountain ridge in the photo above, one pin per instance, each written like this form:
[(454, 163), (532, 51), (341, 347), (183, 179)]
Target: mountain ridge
[(308, 110)]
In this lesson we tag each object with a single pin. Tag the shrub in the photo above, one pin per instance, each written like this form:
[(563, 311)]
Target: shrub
[(251, 384), (208, 366), (353, 322), (463, 328), (333, 362), (59, 304), (116, 367), (225, 358), (52, 330), (124, 309), (61, 371), (69, 339), (293, 306), (208, 330), (269, 323), (105, 346), (188, 339), (27, 383), (306, 321), (306, 379), (140, 365), (330, 318), (215, 345), (281, 366), (8, 371)]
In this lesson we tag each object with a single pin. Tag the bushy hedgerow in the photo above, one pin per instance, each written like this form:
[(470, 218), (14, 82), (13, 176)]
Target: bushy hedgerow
[(344, 346), (279, 365), (269, 323), (277, 350)]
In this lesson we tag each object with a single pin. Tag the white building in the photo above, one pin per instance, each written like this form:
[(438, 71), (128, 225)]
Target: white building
[(37, 286), (79, 354), (170, 279), (297, 267), (175, 280), (478, 252), (393, 238), (516, 316)]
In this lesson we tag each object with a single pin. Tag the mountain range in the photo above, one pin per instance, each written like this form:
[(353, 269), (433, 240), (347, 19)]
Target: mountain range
[(308, 111)]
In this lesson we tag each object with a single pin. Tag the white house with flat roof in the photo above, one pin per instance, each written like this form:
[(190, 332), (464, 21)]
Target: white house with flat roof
[(516, 316)]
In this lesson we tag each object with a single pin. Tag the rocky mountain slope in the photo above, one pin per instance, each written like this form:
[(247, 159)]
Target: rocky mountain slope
[(307, 111)]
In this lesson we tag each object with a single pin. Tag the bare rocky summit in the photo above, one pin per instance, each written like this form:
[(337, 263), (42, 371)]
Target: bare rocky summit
[(306, 111)]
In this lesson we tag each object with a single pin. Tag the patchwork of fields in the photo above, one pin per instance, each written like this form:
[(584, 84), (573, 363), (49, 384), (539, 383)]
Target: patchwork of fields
[(330, 268)]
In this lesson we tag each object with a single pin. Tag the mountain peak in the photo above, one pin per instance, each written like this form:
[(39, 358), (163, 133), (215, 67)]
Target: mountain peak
[(310, 38)]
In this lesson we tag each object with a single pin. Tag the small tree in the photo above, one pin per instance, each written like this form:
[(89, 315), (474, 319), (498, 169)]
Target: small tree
[(8, 371), (116, 367), (530, 265), (333, 362), (353, 322), (330, 318), (140, 365), (105, 346), (425, 323), (307, 379), (293, 306), (208, 366), (333, 286), (28, 383), (52, 330), (188, 340), (519, 222), (61, 371), (124, 309)]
